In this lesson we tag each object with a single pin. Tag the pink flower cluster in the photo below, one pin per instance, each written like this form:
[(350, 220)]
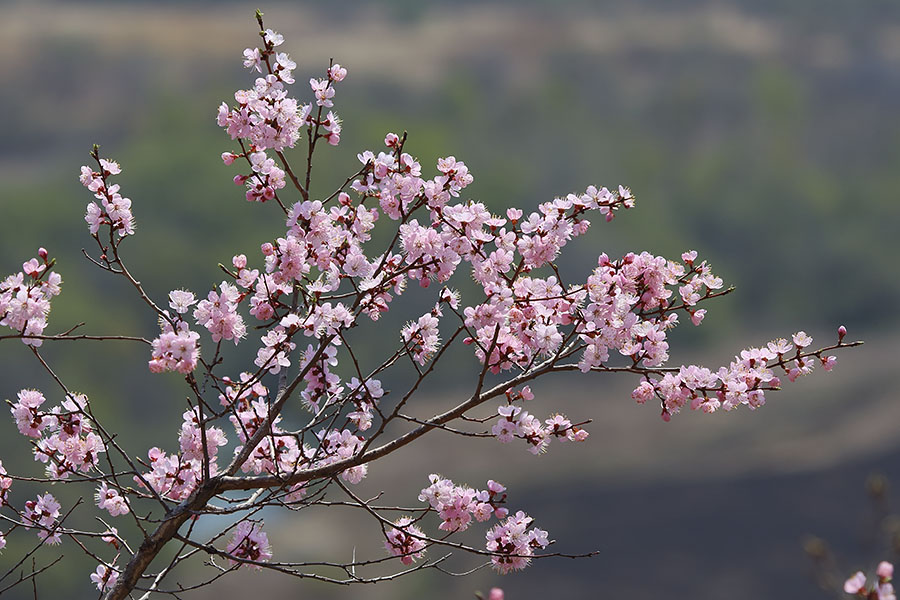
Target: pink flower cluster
[(175, 349), (265, 177), (276, 346), (245, 276), (5, 484), (43, 514), (512, 544), (265, 115), (744, 381), (513, 422), (218, 314), (247, 401), (25, 298), (66, 440), (281, 452), (176, 476), (114, 209), (249, 543), (405, 540), (457, 505), (422, 337), (329, 240), (882, 588), (105, 578), (338, 446), (268, 119), (171, 476), (29, 420), (191, 439), (323, 385), (364, 396), (629, 306), (109, 499)]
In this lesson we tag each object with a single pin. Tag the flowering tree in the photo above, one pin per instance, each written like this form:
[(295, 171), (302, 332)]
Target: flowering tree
[(317, 279)]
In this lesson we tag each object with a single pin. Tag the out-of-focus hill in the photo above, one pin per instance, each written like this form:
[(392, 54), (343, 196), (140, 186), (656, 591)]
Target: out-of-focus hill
[(763, 134), (763, 137)]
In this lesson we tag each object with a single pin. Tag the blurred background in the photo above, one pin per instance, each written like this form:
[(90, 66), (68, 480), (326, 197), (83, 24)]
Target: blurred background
[(761, 133)]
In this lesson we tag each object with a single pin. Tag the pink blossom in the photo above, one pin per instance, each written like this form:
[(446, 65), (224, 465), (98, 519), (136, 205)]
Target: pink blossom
[(253, 60), (855, 583), (405, 540), (109, 499), (181, 300), (28, 420), (114, 209), (422, 337), (43, 514), (218, 313), (512, 544), (33, 268), (25, 301), (110, 167), (323, 92), (249, 542), (104, 577), (273, 38), (175, 350), (885, 591), (801, 339), (111, 537), (5, 485), (336, 72)]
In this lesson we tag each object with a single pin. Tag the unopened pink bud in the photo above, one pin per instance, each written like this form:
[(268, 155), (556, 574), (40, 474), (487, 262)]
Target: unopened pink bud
[(267, 249), (42, 252), (240, 179), (842, 331), (228, 158)]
